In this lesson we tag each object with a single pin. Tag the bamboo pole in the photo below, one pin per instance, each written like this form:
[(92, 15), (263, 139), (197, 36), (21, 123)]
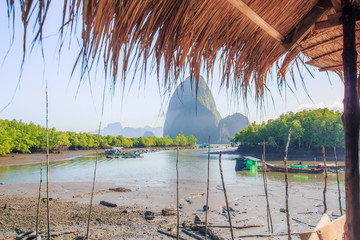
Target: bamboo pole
[(287, 186), (47, 162), (207, 190), (326, 176), (96, 162), (177, 195), (351, 122), (337, 180), (93, 184), (268, 212), (226, 199), (40, 185), (38, 203)]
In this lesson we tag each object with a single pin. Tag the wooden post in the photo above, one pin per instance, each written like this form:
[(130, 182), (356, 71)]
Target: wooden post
[(47, 162), (351, 122), (325, 184), (207, 190), (93, 183), (268, 211), (287, 186), (177, 195), (337, 180), (226, 199)]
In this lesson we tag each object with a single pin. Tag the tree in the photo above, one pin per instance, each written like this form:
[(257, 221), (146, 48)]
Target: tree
[(180, 140), (310, 129)]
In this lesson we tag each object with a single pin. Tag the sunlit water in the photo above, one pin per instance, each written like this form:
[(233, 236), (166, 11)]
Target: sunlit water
[(157, 167)]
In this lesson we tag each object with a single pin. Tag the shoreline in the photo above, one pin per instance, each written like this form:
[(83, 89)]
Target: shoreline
[(14, 159)]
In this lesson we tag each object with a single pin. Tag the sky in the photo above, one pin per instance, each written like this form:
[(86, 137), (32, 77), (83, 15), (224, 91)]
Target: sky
[(77, 106)]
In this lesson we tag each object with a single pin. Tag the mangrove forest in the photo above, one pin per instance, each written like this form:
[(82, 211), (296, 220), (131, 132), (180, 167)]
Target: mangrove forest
[(310, 129), (19, 137)]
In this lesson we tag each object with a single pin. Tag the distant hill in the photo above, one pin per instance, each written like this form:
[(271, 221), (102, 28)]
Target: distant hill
[(141, 132), (113, 129), (116, 129), (195, 113), (231, 125)]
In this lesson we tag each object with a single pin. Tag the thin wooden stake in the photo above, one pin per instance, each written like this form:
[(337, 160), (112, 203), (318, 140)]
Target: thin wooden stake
[(192, 234), (177, 195), (38, 203), (226, 199), (41, 177), (337, 179), (268, 211), (325, 184), (47, 162), (287, 186), (207, 190), (96, 162), (169, 234), (93, 184)]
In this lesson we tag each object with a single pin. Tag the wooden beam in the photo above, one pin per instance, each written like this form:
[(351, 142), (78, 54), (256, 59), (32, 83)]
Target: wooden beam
[(328, 54), (335, 67), (322, 44), (332, 21), (305, 25), (326, 42), (255, 18)]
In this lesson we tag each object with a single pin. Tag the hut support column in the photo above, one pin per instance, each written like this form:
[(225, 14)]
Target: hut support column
[(351, 123)]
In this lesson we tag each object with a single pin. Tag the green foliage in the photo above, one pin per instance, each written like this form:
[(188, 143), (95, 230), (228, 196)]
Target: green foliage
[(18, 137), (309, 129)]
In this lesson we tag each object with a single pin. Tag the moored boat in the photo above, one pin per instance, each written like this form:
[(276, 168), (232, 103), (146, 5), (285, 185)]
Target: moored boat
[(295, 169), (113, 152), (246, 163)]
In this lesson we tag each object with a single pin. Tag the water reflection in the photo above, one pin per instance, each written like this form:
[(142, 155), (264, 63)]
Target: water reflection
[(154, 167)]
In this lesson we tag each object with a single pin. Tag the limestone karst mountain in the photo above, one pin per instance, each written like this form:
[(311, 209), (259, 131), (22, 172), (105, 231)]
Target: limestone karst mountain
[(196, 114), (116, 129), (231, 125)]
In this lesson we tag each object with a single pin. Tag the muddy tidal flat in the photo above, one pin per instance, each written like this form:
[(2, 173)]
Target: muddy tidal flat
[(137, 194)]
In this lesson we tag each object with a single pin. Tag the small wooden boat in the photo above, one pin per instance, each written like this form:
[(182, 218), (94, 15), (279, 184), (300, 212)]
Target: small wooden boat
[(295, 169), (246, 163), (114, 152)]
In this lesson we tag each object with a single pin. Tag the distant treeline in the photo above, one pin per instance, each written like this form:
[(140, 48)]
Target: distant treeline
[(19, 137), (310, 128)]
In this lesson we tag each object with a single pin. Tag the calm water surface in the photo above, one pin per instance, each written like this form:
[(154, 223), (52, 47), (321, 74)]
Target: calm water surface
[(157, 167)]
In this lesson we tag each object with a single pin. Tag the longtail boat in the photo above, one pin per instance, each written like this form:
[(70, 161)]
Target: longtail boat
[(295, 169)]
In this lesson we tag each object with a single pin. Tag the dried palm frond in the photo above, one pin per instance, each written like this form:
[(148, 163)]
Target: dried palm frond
[(184, 35)]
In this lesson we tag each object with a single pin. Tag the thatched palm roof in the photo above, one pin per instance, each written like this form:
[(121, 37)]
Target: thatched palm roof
[(249, 37)]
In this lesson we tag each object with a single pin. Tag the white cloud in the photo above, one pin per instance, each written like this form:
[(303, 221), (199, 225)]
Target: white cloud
[(335, 106)]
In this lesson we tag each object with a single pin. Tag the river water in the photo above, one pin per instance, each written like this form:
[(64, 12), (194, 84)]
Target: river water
[(156, 166), (153, 181)]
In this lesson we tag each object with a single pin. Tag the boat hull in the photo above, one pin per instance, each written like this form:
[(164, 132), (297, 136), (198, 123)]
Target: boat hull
[(309, 170)]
